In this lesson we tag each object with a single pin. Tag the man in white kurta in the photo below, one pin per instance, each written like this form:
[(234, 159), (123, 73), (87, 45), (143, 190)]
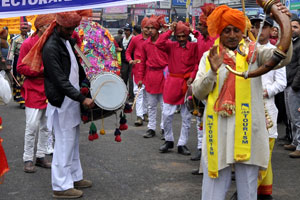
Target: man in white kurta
[(229, 24)]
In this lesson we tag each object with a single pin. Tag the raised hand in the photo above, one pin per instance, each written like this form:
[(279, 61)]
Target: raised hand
[(215, 59)]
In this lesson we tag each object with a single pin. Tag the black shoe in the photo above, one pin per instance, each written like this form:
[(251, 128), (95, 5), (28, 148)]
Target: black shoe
[(196, 172), (22, 105), (183, 150), (166, 146), (149, 134), (264, 197), (162, 137), (197, 156)]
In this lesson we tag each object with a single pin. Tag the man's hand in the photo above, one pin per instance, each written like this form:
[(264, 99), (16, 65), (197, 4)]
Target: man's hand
[(88, 102), (140, 83), (173, 26), (283, 9), (265, 94), (189, 82), (133, 62), (215, 59)]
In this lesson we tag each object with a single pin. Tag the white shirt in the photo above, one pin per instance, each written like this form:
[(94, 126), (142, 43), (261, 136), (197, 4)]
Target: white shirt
[(126, 41), (69, 112)]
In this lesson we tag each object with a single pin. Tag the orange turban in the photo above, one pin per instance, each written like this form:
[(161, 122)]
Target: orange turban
[(182, 27), (68, 19), (223, 16), (42, 20), (207, 9), (144, 22), (156, 21), (34, 57), (85, 13)]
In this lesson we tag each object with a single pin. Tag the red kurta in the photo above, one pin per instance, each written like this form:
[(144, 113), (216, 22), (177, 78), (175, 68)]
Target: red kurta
[(153, 62), (182, 63), (33, 90), (135, 47), (204, 44)]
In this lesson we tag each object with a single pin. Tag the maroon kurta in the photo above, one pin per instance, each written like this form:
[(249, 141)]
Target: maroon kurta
[(33, 90), (153, 62), (182, 63), (135, 47)]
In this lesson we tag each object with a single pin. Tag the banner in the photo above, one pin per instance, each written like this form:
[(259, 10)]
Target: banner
[(15, 8)]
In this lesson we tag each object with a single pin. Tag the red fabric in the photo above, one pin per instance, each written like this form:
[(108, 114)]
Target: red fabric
[(207, 9), (223, 16), (273, 41), (156, 21), (150, 71), (182, 27), (135, 47), (144, 22), (3, 162), (42, 20), (68, 19), (182, 76), (180, 61), (33, 90), (76, 36), (204, 44)]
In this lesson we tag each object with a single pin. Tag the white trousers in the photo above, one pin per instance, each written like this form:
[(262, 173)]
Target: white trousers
[(199, 132), (66, 166), (246, 182), (168, 114), (153, 100), (141, 101), (36, 123)]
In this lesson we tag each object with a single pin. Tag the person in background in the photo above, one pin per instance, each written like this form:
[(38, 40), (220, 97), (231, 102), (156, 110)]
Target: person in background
[(274, 35), (119, 36), (126, 68), (136, 30), (12, 60), (135, 49), (273, 82), (182, 64), (33, 92)]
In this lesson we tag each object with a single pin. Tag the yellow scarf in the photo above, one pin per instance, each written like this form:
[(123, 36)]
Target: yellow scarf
[(243, 116)]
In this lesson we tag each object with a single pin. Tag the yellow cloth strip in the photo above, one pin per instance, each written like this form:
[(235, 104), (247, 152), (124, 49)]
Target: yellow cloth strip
[(243, 116), (211, 127)]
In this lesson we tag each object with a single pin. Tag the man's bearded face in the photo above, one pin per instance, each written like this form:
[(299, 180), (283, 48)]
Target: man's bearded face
[(231, 36), (65, 32)]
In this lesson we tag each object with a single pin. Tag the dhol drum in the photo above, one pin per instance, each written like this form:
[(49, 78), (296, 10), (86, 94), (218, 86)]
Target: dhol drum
[(108, 91)]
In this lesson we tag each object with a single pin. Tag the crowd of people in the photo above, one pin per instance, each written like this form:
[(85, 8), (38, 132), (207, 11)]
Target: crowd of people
[(161, 63)]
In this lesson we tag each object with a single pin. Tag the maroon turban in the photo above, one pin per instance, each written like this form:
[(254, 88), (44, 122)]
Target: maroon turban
[(207, 9), (182, 27)]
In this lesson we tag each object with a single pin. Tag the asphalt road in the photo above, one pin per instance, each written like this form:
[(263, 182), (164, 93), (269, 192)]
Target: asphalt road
[(131, 170)]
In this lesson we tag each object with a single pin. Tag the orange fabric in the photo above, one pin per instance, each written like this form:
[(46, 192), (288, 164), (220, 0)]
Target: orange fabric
[(3, 162), (183, 76), (34, 57), (223, 16), (144, 22), (182, 27), (85, 13), (156, 21), (207, 9), (42, 20), (68, 19), (226, 98)]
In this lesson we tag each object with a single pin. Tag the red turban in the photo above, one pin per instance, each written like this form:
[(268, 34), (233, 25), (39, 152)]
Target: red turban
[(85, 13), (42, 20), (223, 16), (182, 27), (34, 57), (207, 9), (144, 22), (68, 19), (156, 21)]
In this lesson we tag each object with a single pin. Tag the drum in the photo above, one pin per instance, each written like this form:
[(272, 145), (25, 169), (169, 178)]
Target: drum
[(108, 91)]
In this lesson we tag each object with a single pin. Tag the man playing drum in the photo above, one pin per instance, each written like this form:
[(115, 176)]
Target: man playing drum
[(63, 75), (234, 118)]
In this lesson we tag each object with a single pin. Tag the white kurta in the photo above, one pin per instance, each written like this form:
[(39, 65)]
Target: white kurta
[(274, 82), (205, 82)]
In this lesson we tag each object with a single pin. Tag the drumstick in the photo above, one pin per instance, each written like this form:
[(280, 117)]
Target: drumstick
[(98, 89), (83, 57), (15, 79), (135, 98)]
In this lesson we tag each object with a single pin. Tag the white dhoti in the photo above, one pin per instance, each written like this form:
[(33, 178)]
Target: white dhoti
[(153, 100), (66, 166), (186, 116), (141, 101), (36, 122), (245, 178)]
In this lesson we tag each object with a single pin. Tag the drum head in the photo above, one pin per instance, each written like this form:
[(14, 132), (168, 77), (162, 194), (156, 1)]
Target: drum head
[(110, 89)]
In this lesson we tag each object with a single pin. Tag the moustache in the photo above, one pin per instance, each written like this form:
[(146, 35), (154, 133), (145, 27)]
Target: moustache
[(232, 40)]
